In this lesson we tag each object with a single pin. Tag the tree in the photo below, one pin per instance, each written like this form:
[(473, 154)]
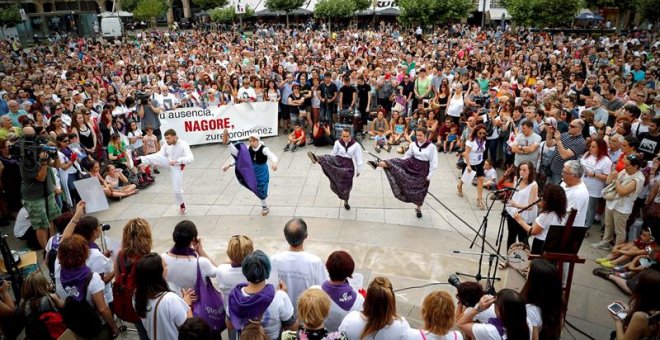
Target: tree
[(426, 12), (650, 10), (286, 6), (10, 16), (128, 5), (150, 10), (543, 13), (361, 5), (334, 9), (228, 14), (625, 7), (209, 4)]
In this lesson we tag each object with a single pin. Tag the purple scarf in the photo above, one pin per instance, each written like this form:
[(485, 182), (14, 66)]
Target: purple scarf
[(343, 295), (498, 325), (74, 281), (427, 143), (183, 251), (244, 169), (347, 145), (244, 308), (93, 245)]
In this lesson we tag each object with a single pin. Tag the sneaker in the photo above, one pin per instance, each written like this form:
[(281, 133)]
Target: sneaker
[(602, 272), (377, 149), (182, 209), (372, 164), (607, 264), (287, 147), (388, 148), (346, 205), (312, 157), (264, 211), (156, 171), (602, 245), (601, 260), (418, 213), (294, 148)]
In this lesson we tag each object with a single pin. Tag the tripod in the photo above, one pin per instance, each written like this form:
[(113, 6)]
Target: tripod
[(490, 281)]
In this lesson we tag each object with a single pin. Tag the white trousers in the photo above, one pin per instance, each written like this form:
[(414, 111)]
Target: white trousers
[(175, 172)]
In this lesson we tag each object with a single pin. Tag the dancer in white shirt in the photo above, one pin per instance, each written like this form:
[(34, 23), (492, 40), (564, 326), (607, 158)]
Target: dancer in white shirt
[(176, 154), (404, 174), (341, 164)]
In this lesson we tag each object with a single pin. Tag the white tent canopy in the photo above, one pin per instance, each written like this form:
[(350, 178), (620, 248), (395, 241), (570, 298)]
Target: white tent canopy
[(115, 14), (259, 6)]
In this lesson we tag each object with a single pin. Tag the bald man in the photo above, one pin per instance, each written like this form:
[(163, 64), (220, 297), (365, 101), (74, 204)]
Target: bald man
[(15, 111)]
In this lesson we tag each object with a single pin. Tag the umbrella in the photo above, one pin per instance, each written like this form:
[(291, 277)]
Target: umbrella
[(115, 14), (389, 11), (589, 16)]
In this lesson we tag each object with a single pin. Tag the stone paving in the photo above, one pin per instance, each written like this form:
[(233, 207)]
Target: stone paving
[(381, 233)]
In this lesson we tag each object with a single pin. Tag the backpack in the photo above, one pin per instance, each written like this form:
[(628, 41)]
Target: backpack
[(45, 325), (79, 316), (123, 290)]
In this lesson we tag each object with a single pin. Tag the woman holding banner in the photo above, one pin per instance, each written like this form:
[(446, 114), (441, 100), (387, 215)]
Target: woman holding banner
[(339, 165), (251, 166), (405, 174)]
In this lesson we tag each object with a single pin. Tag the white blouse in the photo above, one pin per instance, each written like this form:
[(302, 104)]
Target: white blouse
[(427, 154), (234, 152), (354, 152)]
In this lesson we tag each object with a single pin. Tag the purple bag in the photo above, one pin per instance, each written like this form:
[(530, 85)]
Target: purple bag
[(209, 305)]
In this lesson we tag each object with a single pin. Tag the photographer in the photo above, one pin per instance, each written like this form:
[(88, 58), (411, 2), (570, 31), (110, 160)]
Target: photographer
[(37, 186), (321, 134), (148, 114)]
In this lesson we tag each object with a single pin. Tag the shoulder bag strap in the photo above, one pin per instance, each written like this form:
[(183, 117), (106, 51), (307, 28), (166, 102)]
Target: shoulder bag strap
[(156, 315), (421, 332)]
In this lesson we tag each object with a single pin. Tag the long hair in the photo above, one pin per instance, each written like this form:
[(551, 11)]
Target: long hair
[(35, 287), (136, 240), (474, 134), (601, 144), (379, 306), (511, 310), (554, 200), (149, 281), (645, 295), (532, 171), (544, 290)]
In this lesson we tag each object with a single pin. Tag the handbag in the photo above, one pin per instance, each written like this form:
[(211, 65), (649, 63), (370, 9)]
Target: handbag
[(156, 316), (609, 192), (209, 305)]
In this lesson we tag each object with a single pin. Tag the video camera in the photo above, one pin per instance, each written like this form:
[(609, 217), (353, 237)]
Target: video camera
[(142, 98), (30, 147)]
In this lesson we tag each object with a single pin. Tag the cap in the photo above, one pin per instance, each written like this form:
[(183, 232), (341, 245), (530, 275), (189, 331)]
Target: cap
[(74, 93)]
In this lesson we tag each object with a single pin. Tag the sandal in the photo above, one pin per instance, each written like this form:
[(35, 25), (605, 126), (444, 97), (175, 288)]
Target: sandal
[(264, 211), (459, 190), (480, 204)]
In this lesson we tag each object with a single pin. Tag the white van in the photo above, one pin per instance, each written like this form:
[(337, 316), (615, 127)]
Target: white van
[(112, 27)]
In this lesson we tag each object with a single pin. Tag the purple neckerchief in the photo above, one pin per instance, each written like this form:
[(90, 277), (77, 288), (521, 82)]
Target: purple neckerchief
[(235, 265), (498, 325), (427, 143), (347, 145), (74, 280), (244, 169), (183, 251), (343, 295), (93, 245), (245, 308)]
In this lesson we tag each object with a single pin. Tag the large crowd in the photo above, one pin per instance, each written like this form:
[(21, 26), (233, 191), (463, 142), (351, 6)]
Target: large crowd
[(574, 119)]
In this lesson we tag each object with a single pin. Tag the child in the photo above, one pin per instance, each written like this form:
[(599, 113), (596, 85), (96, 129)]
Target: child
[(297, 138), (490, 182), (624, 252), (150, 145), (381, 141), (639, 263), (135, 138), (452, 138)]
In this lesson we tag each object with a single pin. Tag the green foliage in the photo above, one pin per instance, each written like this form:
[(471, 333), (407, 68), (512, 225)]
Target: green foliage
[(650, 9), (361, 5), (228, 14), (543, 13), (150, 10), (426, 12), (129, 5), (10, 16), (286, 6), (333, 9), (623, 5), (208, 4)]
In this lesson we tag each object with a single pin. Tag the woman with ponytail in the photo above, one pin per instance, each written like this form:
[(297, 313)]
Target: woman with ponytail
[(510, 323), (543, 295)]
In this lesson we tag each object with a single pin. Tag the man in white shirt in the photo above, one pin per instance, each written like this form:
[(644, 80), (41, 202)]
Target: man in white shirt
[(577, 194), (168, 100), (24, 231), (297, 268), (176, 154), (246, 93)]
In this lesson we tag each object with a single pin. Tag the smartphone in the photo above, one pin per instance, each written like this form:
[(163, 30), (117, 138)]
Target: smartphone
[(617, 309)]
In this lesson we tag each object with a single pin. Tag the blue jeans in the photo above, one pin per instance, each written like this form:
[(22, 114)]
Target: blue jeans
[(591, 211), (491, 147)]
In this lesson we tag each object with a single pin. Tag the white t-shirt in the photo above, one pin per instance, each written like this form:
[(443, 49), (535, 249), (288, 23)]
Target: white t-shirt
[(172, 313), (600, 167), (299, 271), (486, 331), (415, 334), (98, 263), (577, 197), (182, 271), (476, 152), (279, 310), (228, 277), (545, 220), (337, 314), (624, 205), (490, 174), (354, 323), (534, 315)]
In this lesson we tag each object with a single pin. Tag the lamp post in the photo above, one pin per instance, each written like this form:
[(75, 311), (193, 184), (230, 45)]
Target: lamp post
[(503, 22)]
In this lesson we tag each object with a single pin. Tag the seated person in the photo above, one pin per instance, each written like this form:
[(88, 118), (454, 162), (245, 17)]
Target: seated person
[(639, 263), (624, 252), (118, 152), (399, 130), (112, 180), (380, 141), (322, 134), (490, 174), (23, 230), (379, 123), (452, 139), (444, 132), (297, 138)]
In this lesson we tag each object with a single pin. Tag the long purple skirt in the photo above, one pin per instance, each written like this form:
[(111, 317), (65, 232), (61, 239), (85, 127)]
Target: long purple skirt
[(340, 172), (408, 179)]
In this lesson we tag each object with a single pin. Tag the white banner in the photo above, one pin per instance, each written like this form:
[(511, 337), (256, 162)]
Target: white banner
[(197, 125)]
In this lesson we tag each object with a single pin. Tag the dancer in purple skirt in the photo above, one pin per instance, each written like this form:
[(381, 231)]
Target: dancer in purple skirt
[(410, 175), (341, 164)]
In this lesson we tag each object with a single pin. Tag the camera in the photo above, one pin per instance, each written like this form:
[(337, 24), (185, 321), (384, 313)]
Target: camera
[(142, 97), (454, 280), (30, 148)]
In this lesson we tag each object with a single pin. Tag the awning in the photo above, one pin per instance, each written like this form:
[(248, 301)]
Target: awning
[(115, 14), (589, 17), (496, 14)]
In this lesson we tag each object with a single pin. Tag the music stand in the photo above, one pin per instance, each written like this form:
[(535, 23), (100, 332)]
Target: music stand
[(561, 246)]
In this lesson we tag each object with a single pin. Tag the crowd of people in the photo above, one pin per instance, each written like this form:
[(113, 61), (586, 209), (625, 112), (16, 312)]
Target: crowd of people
[(574, 119)]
